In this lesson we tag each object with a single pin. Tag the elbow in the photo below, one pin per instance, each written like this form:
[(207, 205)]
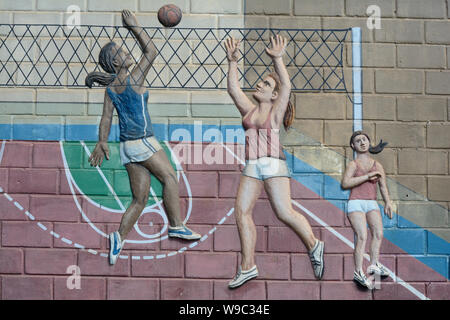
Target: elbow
[(150, 55), (231, 89), (345, 185)]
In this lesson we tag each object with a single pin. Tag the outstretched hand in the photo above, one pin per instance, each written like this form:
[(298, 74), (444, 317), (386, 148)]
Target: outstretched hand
[(278, 49), (128, 19), (100, 151), (232, 47)]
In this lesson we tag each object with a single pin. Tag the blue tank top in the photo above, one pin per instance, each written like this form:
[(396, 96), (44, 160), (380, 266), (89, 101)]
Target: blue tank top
[(134, 120)]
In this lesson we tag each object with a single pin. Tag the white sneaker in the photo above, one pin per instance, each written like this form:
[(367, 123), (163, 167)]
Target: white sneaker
[(378, 269), (243, 276), (316, 256), (115, 246), (360, 278), (183, 232)]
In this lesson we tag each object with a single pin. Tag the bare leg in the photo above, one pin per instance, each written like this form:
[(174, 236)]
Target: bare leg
[(248, 192), (140, 184), (159, 165), (359, 225), (376, 228), (279, 191)]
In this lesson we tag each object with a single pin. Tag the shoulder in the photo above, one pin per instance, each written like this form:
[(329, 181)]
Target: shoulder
[(351, 166)]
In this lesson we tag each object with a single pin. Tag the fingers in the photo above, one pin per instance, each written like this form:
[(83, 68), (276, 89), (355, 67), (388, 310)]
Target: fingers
[(232, 44), (107, 153), (388, 211), (232, 48), (277, 41), (229, 44)]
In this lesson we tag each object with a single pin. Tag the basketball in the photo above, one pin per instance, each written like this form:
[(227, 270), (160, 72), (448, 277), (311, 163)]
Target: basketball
[(169, 15)]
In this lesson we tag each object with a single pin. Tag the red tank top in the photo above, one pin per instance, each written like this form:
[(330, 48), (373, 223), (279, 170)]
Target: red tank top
[(366, 190), (261, 141)]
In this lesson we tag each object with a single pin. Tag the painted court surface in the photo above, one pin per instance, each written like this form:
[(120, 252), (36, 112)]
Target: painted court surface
[(57, 211)]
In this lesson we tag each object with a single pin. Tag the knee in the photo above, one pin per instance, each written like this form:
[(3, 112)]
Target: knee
[(378, 235), (285, 214), (169, 178), (241, 212), (141, 201), (361, 237)]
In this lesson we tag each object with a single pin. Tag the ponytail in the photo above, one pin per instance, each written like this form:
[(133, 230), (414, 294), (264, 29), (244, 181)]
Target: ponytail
[(100, 77), (289, 115), (378, 148)]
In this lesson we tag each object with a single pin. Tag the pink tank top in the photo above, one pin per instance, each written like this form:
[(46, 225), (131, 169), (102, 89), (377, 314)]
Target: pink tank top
[(261, 141), (366, 190)]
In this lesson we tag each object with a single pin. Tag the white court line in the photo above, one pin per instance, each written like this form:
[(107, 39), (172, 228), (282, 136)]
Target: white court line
[(72, 183), (349, 243), (2, 149), (110, 188)]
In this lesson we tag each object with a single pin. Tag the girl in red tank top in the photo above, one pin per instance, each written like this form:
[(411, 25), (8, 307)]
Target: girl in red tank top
[(265, 161), (362, 176), (261, 140)]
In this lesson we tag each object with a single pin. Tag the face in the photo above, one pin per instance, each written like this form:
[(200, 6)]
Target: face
[(361, 144), (264, 90), (122, 59)]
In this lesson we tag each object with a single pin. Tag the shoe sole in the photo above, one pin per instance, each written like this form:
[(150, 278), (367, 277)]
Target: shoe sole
[(234, 286), (111, 246), (381, 275), (361, 285), (322, 244), (176, 235)]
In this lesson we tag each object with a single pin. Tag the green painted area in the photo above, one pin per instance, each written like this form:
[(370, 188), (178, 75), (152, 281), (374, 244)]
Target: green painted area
[(93, 185)]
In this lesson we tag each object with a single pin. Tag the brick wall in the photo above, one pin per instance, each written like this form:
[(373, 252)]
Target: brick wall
[(406, 102), (405, 84)]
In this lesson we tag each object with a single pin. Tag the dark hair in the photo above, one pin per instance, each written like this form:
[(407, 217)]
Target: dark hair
[(105, 59), (374, 150), (290, 111)]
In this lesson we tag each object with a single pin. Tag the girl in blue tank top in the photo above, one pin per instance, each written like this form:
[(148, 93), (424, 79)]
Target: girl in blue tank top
[(140, 152)]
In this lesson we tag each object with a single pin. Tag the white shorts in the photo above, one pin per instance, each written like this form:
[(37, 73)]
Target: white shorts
[(138, 150), (362, 206), (265, 168)]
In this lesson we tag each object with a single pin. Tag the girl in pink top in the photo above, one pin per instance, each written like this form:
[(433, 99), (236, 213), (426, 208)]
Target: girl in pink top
[(265, 161), (362, 176)]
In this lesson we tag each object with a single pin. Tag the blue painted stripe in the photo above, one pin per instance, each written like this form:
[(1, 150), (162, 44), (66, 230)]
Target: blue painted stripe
[(426, 247), (6, 131), (37, 132)]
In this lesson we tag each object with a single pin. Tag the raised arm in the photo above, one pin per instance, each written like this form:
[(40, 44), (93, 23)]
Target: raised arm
[(384, 191), (101, 149), (276, 52), (241, 101), (149, 50)]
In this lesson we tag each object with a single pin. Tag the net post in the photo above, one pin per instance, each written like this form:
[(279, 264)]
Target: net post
[(357, 79)]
